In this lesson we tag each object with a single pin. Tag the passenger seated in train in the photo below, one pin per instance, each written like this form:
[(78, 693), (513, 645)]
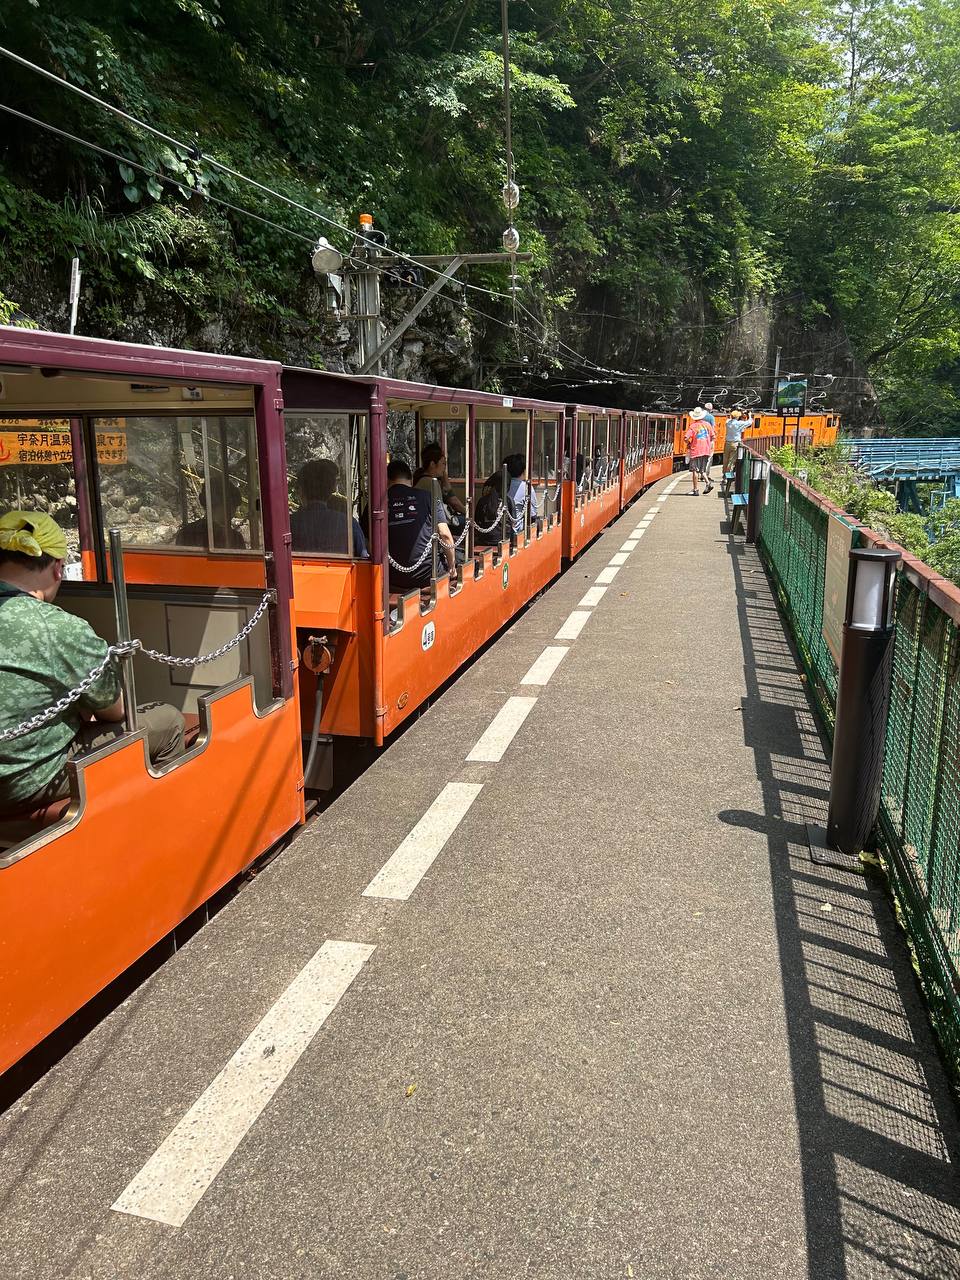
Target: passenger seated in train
[(225, 536), (433, 466), (320, 524), (516, 465), (489, 515), (44, 653), (411, 520)]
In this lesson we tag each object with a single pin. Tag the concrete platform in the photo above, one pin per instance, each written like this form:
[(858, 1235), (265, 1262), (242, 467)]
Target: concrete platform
[(621, 1025)]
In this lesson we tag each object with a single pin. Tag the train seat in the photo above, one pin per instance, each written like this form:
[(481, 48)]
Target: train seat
[(19, 826)]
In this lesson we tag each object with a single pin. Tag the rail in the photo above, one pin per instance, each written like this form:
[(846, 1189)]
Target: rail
[(919, 825)]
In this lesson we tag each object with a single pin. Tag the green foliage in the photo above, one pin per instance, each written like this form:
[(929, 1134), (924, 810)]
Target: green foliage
[(674, 164), (934, 539)]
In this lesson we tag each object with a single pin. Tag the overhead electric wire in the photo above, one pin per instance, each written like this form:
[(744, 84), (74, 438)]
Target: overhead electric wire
[(193, 150), (153, 173), (572, 355)]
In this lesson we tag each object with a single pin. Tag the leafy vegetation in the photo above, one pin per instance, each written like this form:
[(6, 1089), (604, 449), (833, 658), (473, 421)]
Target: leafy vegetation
[(935, 539), (678, 162)]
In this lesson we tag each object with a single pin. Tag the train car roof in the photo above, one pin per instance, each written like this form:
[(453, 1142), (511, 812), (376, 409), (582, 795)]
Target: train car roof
[(105, 357), (415, 393)]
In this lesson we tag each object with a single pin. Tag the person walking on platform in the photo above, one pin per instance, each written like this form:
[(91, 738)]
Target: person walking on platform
[(699, 438), (712, 419), (44, 653), (738, 422)]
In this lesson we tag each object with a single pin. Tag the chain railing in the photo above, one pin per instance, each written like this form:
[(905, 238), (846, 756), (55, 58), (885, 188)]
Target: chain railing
[(127, 649), (169, 660)]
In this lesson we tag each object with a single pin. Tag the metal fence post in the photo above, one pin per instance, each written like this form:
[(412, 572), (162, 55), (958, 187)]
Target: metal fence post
[(504, 519), (863, 705), (435, 498)]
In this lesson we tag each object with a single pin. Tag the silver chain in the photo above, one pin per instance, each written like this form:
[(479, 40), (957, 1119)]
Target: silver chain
[(402, 568), (490, 528), (122, 651)]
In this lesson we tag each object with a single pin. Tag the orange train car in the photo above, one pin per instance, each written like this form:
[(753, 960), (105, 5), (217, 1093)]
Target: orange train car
[(771, 430), (199, 461)]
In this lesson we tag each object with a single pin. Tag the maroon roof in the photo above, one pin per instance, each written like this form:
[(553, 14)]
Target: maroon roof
[(101, 355)]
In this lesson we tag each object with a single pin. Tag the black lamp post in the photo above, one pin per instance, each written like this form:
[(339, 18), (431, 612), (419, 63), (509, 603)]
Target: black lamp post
[(863, 705)]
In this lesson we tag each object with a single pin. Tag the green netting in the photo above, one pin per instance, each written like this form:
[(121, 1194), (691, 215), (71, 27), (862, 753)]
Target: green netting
[(793, 542), (920, 816), (919, 825)]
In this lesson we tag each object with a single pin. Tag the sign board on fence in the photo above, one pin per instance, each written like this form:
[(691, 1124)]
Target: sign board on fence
[(839, 540)]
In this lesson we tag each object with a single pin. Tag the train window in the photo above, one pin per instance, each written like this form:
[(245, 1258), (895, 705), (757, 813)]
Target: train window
[(37, 474), (451, 435), (324, 479), (497, 441), (585, 450), (543, 464), (180, 481)]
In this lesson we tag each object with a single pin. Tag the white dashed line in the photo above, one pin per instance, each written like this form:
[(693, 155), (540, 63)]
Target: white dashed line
[(502, 729), (416, 855), (620, 558), (573, 625), (605, 576), (174, 1179), (630, 544), (593, 596), (547, 663)]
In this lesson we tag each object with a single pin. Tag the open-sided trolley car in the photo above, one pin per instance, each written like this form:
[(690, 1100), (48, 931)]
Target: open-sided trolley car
[(197, 461)]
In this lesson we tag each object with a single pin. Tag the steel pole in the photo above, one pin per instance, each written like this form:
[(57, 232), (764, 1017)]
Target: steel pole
[(122, 613)]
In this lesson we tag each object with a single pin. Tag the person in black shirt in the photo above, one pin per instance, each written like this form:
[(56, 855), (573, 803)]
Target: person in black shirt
[(410, 524)]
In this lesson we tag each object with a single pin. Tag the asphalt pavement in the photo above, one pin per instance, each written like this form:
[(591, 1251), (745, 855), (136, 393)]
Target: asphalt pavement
[(579, 1006)]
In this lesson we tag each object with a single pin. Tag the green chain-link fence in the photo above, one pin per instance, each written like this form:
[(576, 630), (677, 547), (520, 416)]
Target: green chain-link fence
[(919, 826)]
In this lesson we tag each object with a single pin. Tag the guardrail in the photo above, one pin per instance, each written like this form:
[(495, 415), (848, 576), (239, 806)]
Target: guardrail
[(919, 826), (896, 459)]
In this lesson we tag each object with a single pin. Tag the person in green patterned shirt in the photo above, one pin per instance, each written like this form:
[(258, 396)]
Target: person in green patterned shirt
[(44, 653)]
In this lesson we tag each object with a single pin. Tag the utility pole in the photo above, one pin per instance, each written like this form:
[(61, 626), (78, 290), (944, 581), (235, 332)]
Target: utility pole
[(776, 379), (371, 344), (368, 298)]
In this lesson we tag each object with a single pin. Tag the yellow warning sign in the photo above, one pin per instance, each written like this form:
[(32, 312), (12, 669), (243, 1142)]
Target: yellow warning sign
[(44, 442)]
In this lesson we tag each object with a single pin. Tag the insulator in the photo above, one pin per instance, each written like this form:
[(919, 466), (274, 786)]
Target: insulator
[(511, 240), (511, 195)]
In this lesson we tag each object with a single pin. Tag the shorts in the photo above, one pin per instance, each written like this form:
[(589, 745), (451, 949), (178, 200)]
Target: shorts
[(699, 464)]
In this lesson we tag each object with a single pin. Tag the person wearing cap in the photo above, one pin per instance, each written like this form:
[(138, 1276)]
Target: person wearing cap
[(44, 653), (699, 437)]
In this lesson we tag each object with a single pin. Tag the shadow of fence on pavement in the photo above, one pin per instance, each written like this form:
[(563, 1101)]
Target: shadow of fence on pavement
[(877, 1121)]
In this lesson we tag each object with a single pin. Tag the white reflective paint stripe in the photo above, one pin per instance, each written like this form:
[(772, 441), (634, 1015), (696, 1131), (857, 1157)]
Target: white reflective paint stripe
[(605, 576), (593, 596), (573, 625), (502, 730), (414, 857), (630, 543), (174, 1179), (546, 664), (620, 558)]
